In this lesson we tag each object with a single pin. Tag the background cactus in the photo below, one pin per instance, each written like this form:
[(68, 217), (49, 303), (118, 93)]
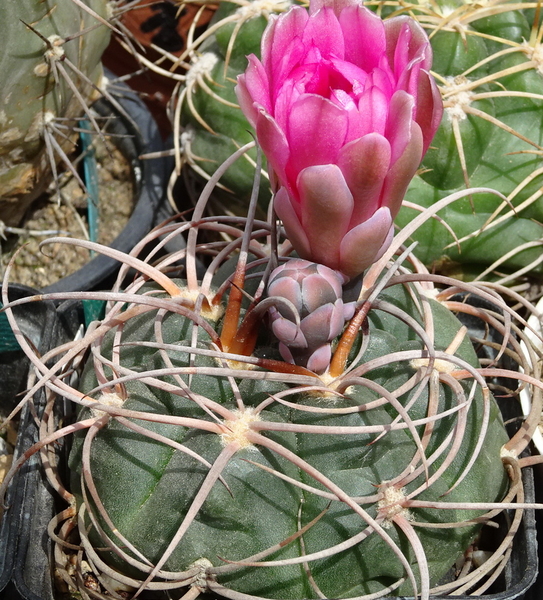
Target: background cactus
[(49, 65), (487, 60), (212, 125)]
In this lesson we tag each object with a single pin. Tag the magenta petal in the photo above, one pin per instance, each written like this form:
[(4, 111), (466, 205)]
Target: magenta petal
[(336, 5), (281, 72), (316, 131), (400, 121), (273, 142), (362, 244), (245, 100), (406, 40), (401, 173), (278, 37), (364, 35), (324, 32), (365, 164), (253, 87), (326, 208), (286, 97), (355, 126), (429, 108), (351, 72), (373, 108), (286, 212)]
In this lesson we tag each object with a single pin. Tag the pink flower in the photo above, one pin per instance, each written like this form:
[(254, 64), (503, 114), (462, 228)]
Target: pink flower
[(344, 108)]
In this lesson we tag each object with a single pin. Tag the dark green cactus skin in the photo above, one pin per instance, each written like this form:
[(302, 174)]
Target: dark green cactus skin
[(230, 128), (29, 93), (147, 487), (494, 158)]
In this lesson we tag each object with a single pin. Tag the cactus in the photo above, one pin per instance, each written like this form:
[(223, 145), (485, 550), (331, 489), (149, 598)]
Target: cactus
[(269, 426), (202, 460), (212, 125), (50, 66), (254, 464), (487, 59), (206, 461)]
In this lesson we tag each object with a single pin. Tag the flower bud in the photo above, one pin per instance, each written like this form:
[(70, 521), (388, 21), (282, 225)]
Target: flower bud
[(313, 315)]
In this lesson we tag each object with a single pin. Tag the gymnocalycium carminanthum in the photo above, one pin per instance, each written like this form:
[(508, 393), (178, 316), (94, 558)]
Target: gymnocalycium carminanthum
[(258, 424)]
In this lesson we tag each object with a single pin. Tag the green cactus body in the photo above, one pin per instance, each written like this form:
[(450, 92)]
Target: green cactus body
[(490, 71), (214, 126), (32, 95), (148, 487), (503, 157)]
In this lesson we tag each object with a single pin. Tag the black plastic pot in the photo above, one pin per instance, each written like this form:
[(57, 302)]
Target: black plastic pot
[(134, 136), (25, 549)]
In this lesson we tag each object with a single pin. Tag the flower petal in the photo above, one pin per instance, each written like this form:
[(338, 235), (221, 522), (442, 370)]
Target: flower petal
[(280, 40), (316, 131), (373, 108), (316, 327), (319, 361), (287, 332), (365, 163), (286, 211), (399, 123), (325, 33), (316, 291), (403, 170), (364, 35), (273, 142), (326, 208), (406, 40), (253, 88), (289, 288), (429, 108), (362, 246), (336, 5)]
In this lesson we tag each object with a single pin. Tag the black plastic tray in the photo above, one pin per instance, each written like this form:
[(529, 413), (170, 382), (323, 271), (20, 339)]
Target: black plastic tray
[(25, 551)]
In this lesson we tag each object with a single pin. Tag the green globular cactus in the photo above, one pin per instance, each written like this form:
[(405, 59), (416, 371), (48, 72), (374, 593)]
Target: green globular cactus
[(488, 61), (204, 464), (50, 62), (213, 126), (489, 66)]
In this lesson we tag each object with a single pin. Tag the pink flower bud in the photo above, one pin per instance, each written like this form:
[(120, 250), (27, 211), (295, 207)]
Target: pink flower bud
[(344, 108), (314, 316)]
